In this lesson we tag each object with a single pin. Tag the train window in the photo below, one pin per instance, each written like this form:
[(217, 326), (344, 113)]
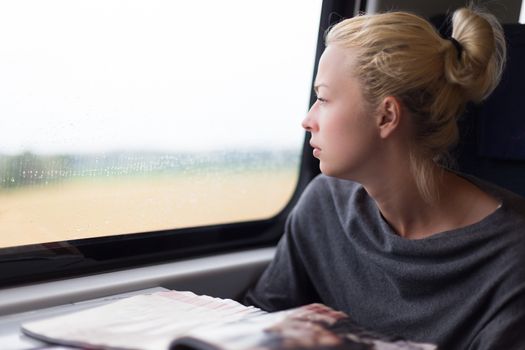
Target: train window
[(134, 116)]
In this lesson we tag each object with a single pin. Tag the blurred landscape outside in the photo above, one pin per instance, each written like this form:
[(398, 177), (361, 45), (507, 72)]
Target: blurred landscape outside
[(128, 116), (61, 198)]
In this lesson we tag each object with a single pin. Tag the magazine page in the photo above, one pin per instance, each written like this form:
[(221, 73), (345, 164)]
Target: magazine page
[(182, 320), (148, 322), (313, 326)]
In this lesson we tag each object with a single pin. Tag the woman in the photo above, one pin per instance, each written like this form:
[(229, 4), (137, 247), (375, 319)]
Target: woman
[(387, 234)]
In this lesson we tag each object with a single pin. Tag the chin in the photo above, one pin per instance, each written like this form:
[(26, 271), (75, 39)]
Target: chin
[(328, 171), (334, 172)]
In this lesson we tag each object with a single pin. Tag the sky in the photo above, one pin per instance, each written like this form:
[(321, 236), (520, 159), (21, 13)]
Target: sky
[(87, 76)]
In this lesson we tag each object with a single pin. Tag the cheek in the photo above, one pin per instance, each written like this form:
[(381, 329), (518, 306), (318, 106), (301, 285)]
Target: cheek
[(352, 140), (346, 132), (343, 140)]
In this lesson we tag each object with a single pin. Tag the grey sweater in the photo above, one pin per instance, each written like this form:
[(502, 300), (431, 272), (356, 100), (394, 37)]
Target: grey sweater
[(460, 289)]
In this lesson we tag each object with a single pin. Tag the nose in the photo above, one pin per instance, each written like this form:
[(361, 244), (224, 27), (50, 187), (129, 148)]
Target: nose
[(308, 122)]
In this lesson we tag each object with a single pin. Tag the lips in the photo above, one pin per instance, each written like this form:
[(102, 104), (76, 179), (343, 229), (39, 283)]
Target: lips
[(317, 151)]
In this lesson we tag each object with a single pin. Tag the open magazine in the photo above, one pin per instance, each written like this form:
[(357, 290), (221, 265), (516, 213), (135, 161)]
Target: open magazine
[(182, 320)]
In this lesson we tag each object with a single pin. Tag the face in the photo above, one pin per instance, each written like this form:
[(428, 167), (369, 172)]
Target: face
[(343, 130)]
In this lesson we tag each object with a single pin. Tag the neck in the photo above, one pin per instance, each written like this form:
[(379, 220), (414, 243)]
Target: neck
[(459, 203), (403, 207)]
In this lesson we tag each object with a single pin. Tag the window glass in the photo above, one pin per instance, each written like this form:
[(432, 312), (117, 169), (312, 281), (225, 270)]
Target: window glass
[(126, 116)]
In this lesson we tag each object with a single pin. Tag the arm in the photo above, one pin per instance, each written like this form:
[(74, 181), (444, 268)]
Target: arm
[(285, 283), (507, 329)]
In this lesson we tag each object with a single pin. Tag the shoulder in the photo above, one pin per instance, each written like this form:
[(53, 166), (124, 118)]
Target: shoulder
[(507, 229), (325, 191), (511, 201), (329, 199)]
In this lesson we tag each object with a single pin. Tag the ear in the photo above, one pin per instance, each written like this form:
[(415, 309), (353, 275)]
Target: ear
[(389, 116)]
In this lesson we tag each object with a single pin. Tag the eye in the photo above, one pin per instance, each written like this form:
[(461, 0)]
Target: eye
[(320, 99)]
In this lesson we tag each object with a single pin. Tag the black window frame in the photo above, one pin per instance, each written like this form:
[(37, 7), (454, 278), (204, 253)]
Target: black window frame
[(74, 258)]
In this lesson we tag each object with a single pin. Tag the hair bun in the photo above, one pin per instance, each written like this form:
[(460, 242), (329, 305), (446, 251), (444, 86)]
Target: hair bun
[(480, 63), (457, 45)]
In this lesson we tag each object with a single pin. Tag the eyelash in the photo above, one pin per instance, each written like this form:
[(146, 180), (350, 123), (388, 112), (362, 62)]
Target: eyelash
[(321, 99)]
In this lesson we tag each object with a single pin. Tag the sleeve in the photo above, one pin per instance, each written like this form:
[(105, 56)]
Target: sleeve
[(285, 282), (504, 332), (507, 329)]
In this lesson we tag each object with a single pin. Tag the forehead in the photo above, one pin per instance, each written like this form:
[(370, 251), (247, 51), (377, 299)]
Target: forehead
[(335, 65)]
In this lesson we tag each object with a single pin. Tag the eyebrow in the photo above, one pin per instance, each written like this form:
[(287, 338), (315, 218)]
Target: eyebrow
[(316, 87)]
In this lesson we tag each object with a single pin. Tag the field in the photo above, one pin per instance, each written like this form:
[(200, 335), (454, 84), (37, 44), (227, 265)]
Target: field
[(99, 207)]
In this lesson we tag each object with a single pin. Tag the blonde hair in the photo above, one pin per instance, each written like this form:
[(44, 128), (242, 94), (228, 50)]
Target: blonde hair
[(400, 54)]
